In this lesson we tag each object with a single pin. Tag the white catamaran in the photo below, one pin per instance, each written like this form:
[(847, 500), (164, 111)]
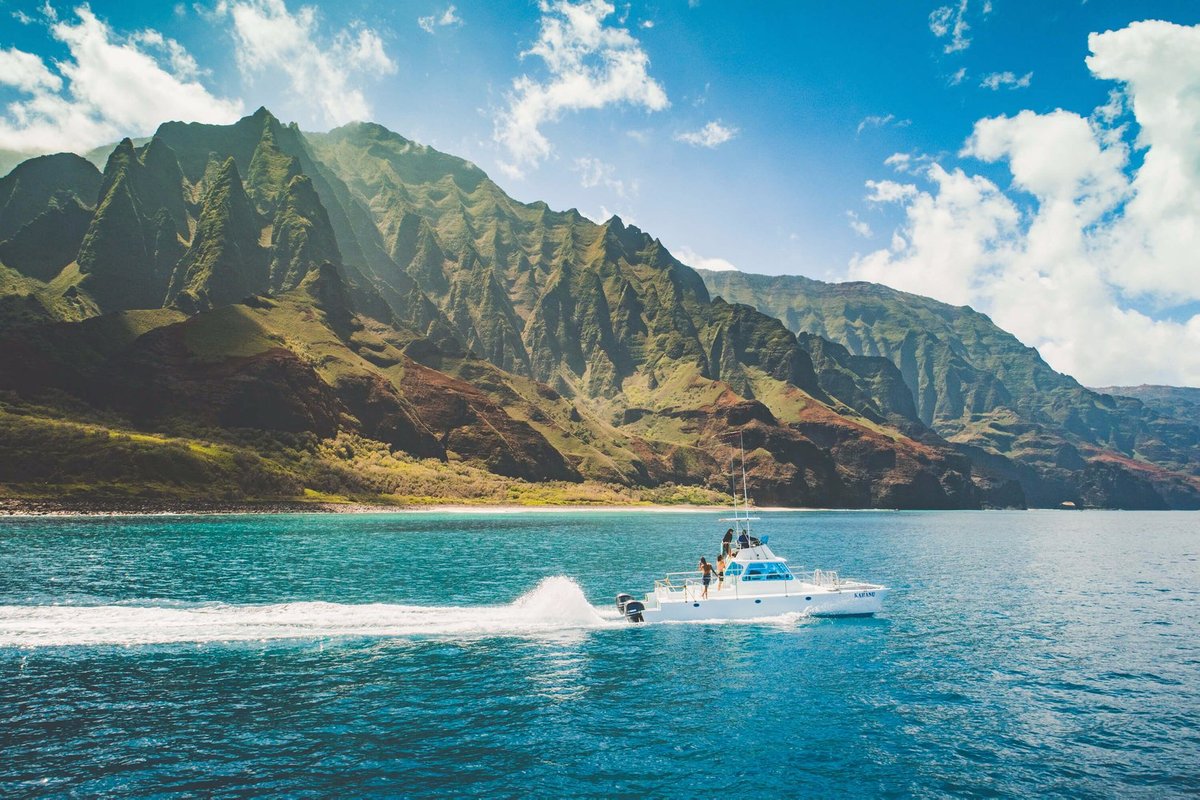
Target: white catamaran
[(756, 583)]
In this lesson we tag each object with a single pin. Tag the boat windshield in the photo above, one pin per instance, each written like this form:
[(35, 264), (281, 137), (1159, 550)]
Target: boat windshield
[(765, 571)]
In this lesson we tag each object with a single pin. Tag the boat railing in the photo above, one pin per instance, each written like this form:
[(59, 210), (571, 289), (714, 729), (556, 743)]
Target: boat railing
[(822, 577), (679, 581), (690, 585)]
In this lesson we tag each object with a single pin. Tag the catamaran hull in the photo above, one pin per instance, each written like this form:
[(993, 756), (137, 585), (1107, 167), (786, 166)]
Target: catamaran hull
[(844, 603)]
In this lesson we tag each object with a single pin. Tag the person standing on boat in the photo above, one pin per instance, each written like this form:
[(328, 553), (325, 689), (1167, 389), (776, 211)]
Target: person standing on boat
[(720, 571), (706, 571), (727, 542)]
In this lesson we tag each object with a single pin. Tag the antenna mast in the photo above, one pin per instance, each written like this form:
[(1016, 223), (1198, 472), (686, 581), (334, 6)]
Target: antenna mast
[(733, 486), (745, 491)]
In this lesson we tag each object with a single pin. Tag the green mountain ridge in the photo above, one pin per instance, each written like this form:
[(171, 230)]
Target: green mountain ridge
[(1177, 402), (977, 385), (339, 313)]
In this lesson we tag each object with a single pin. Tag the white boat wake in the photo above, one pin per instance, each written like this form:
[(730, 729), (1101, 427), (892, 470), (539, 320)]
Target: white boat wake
[(555, 605)]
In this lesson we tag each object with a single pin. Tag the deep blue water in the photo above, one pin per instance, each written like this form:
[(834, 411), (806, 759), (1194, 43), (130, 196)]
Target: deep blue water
[(1021, 653)]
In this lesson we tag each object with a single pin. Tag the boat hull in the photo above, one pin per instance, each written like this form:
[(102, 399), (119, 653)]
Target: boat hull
[(858, 602)]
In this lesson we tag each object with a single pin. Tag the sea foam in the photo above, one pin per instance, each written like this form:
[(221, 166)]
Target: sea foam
[(555, 605)]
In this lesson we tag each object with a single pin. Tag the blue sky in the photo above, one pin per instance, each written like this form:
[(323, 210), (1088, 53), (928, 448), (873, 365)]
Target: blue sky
[(805, 103)]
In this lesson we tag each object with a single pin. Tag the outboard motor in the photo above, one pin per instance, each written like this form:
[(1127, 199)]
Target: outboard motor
[(633, 611), (622, 599)]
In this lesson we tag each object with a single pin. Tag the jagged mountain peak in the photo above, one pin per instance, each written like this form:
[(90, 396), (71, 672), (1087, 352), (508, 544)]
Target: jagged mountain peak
[(225, 261), (32, 185)]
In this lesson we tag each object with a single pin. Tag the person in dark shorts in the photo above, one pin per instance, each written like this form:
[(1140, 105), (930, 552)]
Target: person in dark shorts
[(721, 562), (706, 573), (727, 542)]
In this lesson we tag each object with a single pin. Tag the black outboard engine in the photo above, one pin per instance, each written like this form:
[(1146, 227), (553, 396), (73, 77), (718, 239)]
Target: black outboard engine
[(622, 599), (630, 609)]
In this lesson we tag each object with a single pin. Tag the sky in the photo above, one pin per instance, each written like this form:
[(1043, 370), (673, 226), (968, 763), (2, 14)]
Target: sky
[(1037, 161)]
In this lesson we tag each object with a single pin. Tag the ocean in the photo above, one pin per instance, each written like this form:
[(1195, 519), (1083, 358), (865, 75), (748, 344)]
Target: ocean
[(1043, 653)]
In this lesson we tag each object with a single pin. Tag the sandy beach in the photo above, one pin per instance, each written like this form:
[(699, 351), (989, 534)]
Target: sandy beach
[(39, 508)]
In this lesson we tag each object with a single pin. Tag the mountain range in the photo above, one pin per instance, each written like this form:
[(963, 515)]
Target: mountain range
[(981, 388), (251, 312)]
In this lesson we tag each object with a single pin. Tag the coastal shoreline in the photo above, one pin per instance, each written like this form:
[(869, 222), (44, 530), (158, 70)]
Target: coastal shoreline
[(37, 508)]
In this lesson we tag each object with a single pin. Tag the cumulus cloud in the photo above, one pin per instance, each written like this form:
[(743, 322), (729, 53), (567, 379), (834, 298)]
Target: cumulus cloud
[(1009, 80), (26, 72), (590, 65), (889, 191), (1090, 254), (950, 22), (444, 20), (712, 135), (108, 86), (881, 121), (693, 259), (320, 71)]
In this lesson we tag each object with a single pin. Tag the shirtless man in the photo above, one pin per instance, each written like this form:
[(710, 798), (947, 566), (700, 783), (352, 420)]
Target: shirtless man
[(706, 572)]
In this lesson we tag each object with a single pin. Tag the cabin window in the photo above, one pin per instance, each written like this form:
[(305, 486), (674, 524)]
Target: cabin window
[(767, 571), (734, 569)]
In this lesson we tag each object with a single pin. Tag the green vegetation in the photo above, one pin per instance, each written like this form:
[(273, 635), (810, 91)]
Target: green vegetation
[(101, 460), (1177, 402), (248, 312), (977, 385)]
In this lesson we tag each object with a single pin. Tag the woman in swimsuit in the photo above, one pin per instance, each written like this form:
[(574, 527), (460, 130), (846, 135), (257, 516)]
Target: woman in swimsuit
[(706, 572)]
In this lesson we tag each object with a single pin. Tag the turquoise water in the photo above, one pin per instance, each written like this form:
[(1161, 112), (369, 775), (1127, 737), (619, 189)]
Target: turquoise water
[(1021, 653)]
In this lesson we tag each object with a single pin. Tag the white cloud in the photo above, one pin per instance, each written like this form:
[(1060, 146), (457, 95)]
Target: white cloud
[(1000, 80), (182, 63), (951, 22), (22, 17), (593, 172), (647, 24), (859, 226), (693, 259), (26, 72), (908, 163), (962, 220), (881, 121), (890, 191), (590, 65), (272, 41), (1091, 256), (958, 77), (445, 19), (713, 134), (108, 86)]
